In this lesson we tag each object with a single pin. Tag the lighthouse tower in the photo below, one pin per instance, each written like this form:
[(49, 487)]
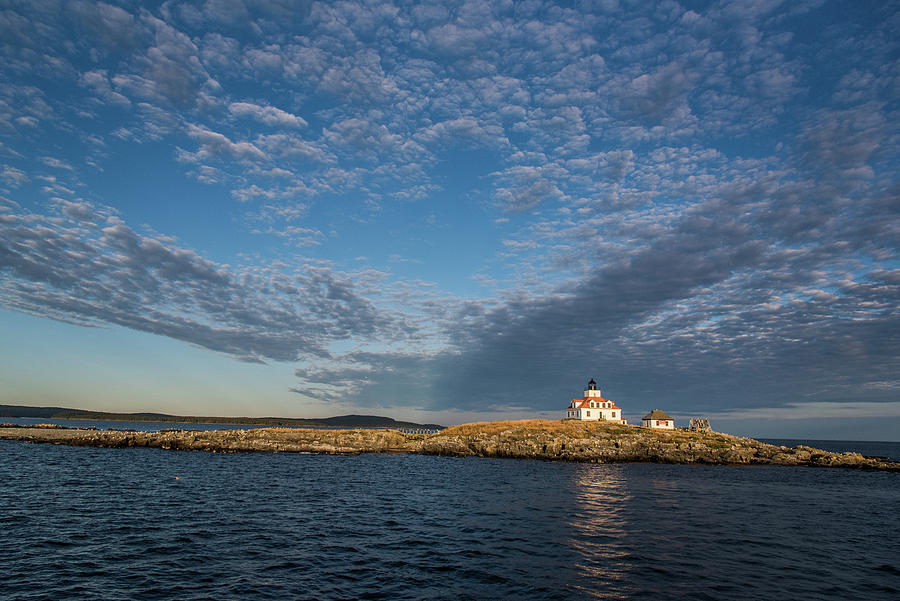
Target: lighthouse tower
[(593, 407)]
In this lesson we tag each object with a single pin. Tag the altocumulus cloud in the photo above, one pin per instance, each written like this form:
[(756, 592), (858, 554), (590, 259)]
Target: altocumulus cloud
[(693, 204)]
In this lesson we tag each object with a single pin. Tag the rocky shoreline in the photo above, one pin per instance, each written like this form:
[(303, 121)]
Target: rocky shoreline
[(589, 442)]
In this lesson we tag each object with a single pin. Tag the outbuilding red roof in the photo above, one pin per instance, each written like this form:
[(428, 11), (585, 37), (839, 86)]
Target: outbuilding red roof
[(657, 414)]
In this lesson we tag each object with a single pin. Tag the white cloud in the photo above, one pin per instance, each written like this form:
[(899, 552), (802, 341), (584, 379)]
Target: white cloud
[(214, 145), (99, 82), (56, 163), (13, 177), (268, 115)]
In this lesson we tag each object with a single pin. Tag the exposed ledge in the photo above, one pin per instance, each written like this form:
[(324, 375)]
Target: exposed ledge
[(590, 442)]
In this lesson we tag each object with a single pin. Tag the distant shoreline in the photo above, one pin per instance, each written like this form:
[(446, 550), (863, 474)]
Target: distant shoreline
[(341, 421), (586, 442)]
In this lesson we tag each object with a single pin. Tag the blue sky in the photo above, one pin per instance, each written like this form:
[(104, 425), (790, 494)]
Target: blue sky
[(454, 211)]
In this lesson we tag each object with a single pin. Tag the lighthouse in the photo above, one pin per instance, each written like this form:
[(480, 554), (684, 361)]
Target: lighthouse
[(593, 407)]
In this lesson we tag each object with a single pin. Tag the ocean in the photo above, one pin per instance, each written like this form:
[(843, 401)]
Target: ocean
[(90, 523)]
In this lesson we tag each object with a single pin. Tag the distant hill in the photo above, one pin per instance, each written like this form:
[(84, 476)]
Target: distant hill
[(341, 421), (23, 411)]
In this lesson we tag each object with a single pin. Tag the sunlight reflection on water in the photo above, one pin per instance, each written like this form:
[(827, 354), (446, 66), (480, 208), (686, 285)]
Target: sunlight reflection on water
[(599, 526)]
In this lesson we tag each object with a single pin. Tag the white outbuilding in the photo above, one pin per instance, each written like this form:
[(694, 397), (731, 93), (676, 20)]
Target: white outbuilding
[(658, 419), (593, 407)]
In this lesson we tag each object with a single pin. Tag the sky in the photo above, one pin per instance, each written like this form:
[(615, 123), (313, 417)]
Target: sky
[(454, 211)]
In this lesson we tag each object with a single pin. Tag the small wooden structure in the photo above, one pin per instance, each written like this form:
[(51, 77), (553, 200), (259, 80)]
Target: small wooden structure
[(699, 424)]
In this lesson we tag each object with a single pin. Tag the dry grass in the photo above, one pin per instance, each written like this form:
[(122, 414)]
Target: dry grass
[(566, 428), (583, 429), (282, 429), (572, 428), (285, 430)]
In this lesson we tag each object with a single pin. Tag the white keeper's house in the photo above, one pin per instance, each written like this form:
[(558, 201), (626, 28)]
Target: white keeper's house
[(658, 419), (593, 407)]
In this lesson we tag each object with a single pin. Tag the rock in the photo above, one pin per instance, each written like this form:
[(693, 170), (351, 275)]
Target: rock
[(532, 439)]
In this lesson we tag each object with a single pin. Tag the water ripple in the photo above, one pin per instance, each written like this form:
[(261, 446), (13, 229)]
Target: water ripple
[(82, 523)]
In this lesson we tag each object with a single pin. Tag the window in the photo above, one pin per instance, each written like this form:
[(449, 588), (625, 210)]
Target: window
[(614, 414), (588, 413)]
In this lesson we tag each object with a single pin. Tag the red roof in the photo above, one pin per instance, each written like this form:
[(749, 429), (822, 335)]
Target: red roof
[(585, 403)]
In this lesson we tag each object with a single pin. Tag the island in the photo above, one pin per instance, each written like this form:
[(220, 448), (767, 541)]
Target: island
[(554, 440)]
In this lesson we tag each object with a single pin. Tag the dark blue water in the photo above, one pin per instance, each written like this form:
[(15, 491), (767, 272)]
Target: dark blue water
[(86, 523)]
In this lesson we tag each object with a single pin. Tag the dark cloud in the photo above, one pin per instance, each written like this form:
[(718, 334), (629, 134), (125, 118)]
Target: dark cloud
[(715, 312), (659, 95), (845, 140), (172, 80), (109, 25), (108, 273)]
